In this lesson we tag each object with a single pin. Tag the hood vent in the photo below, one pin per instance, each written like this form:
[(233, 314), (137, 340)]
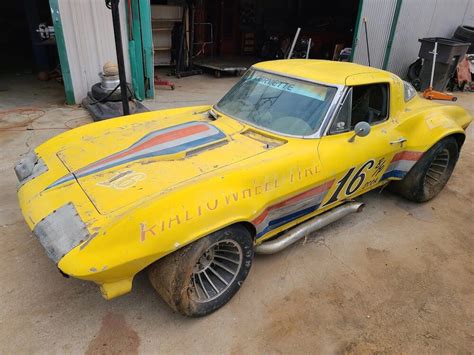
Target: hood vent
[(269, 141), (201, 149)]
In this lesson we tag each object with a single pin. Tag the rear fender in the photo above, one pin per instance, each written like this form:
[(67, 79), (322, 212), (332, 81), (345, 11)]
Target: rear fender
[(424, 129)]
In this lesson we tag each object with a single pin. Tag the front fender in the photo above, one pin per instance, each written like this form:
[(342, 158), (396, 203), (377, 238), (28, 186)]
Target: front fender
[(131, 240)]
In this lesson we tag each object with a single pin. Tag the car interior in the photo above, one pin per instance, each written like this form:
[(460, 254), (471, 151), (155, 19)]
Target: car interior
[(367, 103)]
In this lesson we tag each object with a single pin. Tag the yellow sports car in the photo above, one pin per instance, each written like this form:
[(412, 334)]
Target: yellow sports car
[(192, 193)]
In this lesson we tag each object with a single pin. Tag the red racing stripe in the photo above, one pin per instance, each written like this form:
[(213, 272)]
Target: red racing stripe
[(314, 191), (162, 138), (407, 155)]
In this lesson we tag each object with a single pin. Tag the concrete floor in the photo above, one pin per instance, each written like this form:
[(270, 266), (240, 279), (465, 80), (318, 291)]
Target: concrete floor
[(397, 278)]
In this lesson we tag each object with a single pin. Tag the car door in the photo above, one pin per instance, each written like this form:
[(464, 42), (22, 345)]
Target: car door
[(357, 164)]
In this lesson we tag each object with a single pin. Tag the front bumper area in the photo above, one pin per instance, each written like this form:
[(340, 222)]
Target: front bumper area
[(65, 222), (61, 231), (29, 167)]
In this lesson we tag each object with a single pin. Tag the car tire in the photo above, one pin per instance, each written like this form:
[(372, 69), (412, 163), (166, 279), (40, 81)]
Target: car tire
[(465, 34), (430, 174), (203, 276), (102, 95)]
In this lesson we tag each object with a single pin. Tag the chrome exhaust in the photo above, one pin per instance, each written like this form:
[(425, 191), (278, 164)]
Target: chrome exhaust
[(302, 230)]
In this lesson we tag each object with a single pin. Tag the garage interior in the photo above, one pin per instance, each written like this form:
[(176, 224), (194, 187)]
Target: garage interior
[(29, 64), (231, 35)]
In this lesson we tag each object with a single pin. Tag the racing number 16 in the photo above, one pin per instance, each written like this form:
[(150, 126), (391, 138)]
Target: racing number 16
[(354, 184)]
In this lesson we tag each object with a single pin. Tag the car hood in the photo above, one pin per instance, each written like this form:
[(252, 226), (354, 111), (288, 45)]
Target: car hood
[(124, 165)]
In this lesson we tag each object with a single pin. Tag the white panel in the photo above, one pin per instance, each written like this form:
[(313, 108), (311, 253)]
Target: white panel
[(89, 37), (379, 15), (419, 19), (469, 15)]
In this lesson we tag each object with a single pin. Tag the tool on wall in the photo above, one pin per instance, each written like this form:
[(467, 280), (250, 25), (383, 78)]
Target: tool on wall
[(290, 53), (431, 94), (308, 48), (367, 40), (184, 61)]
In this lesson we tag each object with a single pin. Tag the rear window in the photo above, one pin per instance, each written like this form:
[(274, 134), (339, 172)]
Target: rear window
[(409, 91)]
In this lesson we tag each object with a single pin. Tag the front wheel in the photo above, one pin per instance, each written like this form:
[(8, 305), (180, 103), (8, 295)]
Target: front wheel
[(430, 174), (203, 276)]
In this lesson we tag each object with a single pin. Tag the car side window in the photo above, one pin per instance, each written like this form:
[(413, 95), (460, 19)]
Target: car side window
[(343, 117), (369, 103)]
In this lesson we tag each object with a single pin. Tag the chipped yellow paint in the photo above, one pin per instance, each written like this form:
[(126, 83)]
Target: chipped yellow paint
[(143, 210)]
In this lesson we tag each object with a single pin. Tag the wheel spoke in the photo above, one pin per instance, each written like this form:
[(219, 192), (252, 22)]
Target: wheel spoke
[(207, 279), (222, 266), (202, 285), (443, 166), (196, 287), (228, 251), (225, 258), (432, 177), (436, 173), (437, 168), (210, 281), (218, 276)]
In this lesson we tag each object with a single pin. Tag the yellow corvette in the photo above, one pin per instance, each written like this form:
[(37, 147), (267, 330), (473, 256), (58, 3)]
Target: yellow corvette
[(191, 193)]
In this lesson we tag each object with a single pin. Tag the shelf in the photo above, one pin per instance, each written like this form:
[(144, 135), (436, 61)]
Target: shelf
[(162, 29), (166, 20), (162, 49)]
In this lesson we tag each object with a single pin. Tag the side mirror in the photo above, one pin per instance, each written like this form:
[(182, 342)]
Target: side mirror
[(361, 129)]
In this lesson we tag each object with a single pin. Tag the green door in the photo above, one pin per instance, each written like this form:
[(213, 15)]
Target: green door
[(140, 47)]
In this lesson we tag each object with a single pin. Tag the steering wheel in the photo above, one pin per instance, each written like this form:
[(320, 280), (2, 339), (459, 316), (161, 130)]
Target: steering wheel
[(373, 114)]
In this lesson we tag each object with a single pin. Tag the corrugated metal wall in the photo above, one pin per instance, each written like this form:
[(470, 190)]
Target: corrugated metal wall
[(89, 37), (379, 15), (418, 19)]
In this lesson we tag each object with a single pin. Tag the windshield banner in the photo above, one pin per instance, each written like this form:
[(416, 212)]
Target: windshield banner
[(289, 85)]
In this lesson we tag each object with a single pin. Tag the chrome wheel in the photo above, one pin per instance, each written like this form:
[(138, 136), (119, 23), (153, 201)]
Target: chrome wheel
[(437, 170), (215, 270)]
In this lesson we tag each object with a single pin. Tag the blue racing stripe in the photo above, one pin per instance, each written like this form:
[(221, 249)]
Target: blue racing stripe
[(394, 173), (182, 147), (286, 219), (172, 150)]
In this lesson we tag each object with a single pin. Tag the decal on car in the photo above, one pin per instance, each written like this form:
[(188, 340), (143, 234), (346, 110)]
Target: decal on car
[(166, 141), (123, 180), (352, 182), (293, 208), (401, 163)]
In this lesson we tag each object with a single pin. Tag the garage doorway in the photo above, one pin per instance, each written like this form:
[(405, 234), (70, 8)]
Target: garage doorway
[(29, 65), (241, 32)]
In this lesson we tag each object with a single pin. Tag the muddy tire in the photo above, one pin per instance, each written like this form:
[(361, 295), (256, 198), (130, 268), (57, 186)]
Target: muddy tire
[(430, 174), (203, 276)]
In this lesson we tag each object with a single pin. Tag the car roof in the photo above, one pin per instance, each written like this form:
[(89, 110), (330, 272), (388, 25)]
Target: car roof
[(325, 71)]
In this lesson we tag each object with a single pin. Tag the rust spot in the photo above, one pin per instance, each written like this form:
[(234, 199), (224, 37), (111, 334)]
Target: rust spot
[(115, 337)]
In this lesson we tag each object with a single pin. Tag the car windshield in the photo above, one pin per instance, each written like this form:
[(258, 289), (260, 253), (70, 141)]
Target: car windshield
[(278, 103)]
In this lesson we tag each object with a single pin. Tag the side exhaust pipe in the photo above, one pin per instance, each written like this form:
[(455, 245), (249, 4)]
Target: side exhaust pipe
[(302, 230)]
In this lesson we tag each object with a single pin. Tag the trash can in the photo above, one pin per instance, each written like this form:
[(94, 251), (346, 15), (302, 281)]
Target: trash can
[(450, 51)]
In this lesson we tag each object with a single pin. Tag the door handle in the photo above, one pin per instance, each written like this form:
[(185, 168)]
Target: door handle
[(400, 141)]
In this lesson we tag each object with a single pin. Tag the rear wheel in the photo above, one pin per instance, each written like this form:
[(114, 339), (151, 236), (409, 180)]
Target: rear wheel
[(203, 276), (430, 174)]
